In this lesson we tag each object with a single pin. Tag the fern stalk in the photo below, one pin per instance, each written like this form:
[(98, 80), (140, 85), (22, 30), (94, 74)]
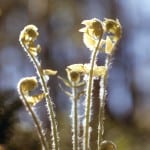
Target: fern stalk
[(102, 96), (55, 137), (35, 119), (88, 100), (75, 124)]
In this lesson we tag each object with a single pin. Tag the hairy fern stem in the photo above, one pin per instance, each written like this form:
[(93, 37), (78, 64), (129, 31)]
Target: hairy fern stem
[(55, 136), (75, 124), (36, 121), (88, 100), (102, 96)]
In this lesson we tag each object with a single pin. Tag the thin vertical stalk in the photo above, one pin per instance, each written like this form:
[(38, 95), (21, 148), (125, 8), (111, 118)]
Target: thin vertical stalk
[(102, 96), (36, 121), (75, 125), (86, 136), (55, 137)]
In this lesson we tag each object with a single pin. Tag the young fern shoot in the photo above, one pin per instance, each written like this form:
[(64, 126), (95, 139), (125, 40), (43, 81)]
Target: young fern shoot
[(25, 85), (113, 32), (74, 73), (27, 38), (74, 78), (92, 35)]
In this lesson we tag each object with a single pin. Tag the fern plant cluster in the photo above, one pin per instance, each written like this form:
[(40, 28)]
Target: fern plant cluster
[(99, 37)]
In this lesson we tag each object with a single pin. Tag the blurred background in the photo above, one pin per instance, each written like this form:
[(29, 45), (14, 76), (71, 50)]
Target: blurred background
[(128, 107)]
